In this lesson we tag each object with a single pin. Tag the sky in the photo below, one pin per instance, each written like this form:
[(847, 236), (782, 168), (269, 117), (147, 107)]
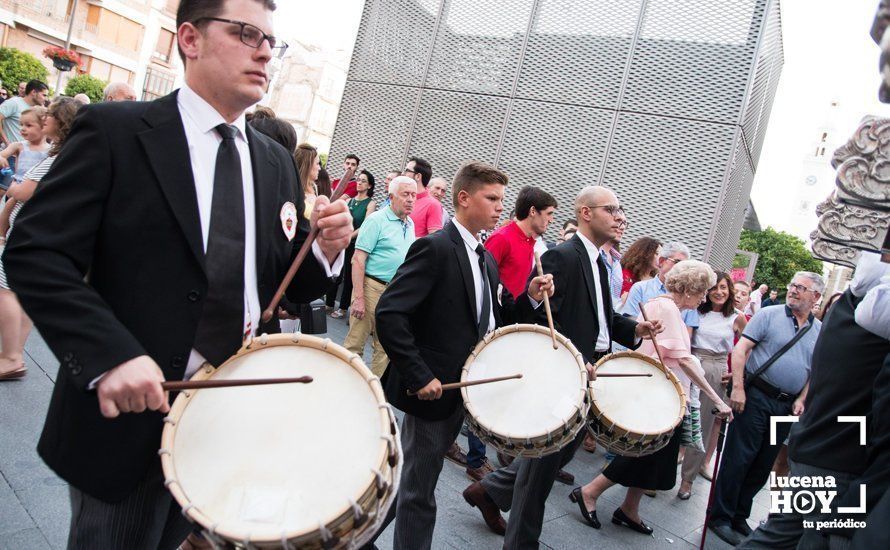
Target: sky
[(829, 56)]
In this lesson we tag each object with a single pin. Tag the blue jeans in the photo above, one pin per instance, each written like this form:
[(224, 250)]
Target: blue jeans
[(476, 451)]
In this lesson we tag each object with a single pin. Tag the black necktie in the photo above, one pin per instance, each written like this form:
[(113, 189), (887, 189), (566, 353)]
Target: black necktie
[(220, 330), (486, 293)]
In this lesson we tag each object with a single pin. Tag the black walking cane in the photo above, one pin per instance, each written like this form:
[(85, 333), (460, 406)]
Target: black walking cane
[(720, 439)]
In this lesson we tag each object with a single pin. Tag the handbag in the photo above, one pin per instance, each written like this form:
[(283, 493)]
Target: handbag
[(690, 433)]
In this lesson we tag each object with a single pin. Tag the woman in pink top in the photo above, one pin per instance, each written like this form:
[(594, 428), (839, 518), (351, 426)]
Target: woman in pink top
[(686, 284)]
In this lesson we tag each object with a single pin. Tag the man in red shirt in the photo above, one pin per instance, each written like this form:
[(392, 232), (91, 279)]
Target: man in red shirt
[(350, 162), (513, 245), (513, 248), (428, 210)]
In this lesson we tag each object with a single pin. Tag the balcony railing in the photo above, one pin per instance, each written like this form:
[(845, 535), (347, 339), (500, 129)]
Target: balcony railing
[(45, 12)]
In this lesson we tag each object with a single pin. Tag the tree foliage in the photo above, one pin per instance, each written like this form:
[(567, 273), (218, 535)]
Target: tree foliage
[(86, 84), (18, 66), (781, 255)]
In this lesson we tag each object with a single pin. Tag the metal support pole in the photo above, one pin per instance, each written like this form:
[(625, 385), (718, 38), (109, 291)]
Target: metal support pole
[(67, 43)]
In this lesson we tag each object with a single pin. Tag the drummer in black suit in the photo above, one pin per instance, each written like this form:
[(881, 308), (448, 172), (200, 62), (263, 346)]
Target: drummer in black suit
[(150, 246), (583, 312), (440, 304)]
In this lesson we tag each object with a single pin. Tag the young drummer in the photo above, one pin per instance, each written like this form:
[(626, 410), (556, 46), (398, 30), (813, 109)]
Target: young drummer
[(443, 299)]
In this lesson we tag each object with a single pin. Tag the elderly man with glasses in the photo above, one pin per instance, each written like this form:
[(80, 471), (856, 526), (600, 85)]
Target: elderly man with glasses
[(770, 376), (671, 254)]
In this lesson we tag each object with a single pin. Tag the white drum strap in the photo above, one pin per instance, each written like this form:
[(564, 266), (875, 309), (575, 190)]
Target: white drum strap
[(215, 541), (328, 540), (358, 519), (286, 543)]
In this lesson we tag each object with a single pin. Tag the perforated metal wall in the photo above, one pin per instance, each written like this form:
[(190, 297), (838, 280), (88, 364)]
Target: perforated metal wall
[(666, 102)]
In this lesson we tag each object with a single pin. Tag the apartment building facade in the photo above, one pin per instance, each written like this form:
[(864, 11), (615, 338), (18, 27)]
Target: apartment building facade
[(306, 89), (132, 41)]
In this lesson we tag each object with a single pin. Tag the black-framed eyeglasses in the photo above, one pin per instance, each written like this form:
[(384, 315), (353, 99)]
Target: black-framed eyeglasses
[(613, 210), (408, 170), (799, 288), (251, 35)]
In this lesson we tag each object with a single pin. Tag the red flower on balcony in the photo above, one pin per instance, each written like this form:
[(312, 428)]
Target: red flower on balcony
[(62, 59)]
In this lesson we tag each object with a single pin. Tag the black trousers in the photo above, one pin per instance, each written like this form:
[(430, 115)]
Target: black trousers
[(748, 456), (346, 293), (148, 519)]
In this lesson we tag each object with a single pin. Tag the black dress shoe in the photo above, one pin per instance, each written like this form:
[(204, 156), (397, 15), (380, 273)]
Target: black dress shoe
[(742, 527), (563, 476), (620, 518), (590, 517), (726, 533)]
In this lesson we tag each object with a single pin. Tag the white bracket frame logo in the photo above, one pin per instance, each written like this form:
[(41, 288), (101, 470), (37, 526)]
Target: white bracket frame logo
[(775, 420)]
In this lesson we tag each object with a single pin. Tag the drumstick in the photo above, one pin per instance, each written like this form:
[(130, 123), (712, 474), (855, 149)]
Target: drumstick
[(204, 384), (458, 385), (546, 301), (654, 341), (269, 312), (622, 375)]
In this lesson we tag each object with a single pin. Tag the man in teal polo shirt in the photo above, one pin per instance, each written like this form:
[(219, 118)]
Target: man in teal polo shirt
[(380, 248)]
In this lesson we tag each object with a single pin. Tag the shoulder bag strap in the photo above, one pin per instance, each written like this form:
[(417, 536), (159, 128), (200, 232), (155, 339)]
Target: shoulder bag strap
[(780, 353)]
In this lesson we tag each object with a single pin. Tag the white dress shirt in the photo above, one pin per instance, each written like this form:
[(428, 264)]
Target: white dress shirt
[(873, 312), (471, 243), (200, 120), (602, 339)]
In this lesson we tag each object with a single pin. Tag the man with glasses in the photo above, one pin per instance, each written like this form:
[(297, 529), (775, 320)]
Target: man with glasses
[(380, 248), (186, 220), (671, 254), (769, 378)]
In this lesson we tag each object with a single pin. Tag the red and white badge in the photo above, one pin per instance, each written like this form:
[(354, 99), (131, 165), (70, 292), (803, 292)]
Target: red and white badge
[(289, 220)]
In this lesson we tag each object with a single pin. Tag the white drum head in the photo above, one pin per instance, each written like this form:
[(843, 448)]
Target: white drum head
[(550, 391), (265, 461), (642, 405)]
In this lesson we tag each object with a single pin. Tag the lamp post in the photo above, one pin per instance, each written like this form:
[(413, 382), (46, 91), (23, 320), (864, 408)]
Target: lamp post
[(67, 43)]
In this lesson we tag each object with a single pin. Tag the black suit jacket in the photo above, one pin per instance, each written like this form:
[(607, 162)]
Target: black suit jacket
[(426, 320), (107, 258), (574, 299)]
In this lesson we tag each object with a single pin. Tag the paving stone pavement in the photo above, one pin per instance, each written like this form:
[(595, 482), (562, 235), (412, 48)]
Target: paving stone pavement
[(34, 508)]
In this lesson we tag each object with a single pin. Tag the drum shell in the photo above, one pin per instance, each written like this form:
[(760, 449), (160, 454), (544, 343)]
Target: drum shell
[(533, 445), (623, 440), (342, 529)]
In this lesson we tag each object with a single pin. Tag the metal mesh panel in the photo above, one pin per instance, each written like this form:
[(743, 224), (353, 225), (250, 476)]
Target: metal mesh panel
[(668, 174), (453, 127), (694, 62), (529, 159), (578, 52), (731, 213), (765, 79), (393, 42), (644, 96), (376, 118), (777, 60), (478, 46)]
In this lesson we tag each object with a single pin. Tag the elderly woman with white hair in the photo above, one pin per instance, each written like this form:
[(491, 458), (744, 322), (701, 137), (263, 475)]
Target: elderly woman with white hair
[(686, 285)]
